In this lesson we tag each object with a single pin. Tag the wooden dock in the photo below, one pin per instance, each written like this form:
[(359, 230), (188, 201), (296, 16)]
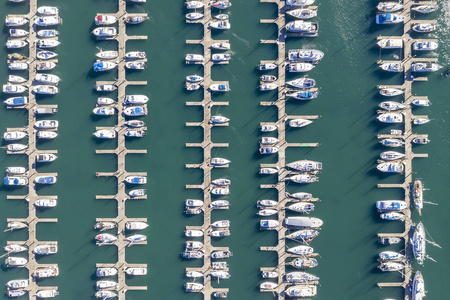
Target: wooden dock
[(121, 151), (207, 145)]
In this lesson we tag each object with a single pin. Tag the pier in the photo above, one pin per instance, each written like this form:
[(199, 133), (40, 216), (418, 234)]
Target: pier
[(407, 136), (282, 119), (207, 145), (121, 151)]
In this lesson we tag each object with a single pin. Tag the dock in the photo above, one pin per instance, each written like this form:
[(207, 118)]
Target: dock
[(207, 145), (121, 197)]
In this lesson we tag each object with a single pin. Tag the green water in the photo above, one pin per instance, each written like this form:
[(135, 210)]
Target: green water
[(347, 76)]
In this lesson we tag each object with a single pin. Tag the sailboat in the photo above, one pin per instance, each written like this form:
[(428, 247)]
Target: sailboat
[(417, 194)]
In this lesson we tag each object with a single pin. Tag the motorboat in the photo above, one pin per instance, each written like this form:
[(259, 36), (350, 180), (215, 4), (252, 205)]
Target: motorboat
[(100, 66), (390, 118), (46, 124), (136, 99), (15, 44), (221, 17), (14, 248), (391, 43), (303, 178), (104, 111), (297, 123), (135, 123), (135, 55), (302, 13), (420, 121), (299, 2), (192, 86), (418, 242), (105, 225), (134, 133), (303, 263), (46, 294), (135, 111), (392, 142), (135, 225), (193, 287), (15, 293), (194, 58), (16, 79), (389, 240), (135, 19), (425, 67), (220, 274), (390, 167), (268, 78), (301, 291), (310, 55), (420, 141), (300, 67), (302, 196), (269, 150), (221, 57), (193, 4), (12, 262), (106, 271), (268, 87), (193, 233), (221, 254), (266, 203), (219, 204), (391, 205), (137, 193), (221, 182), (192, 254), (421, 102), (219, 120), (46, 55), (391, 266), (220, 4), (218, 161), (45, 179), (268, 128), (136, 179), (15, 180), (219, 87), (194, 16), (424, 27), (137, 271), (390, 255), (44, 66), (48, 21), (47, 10), (136, 238), (13, 88), (305, 165), (106, 284), (392, 67), (268, 286), (302, 83), (193, 245), (45, 157), (267, 212), (303, 222), (221, 25), (18, 66), (221, 224), (301, 207), (15, 225), (221, 46), (268, 224), (15, 21), (103, 19), (391, 155), (194, 78), (105, 134), (391, 92), (304, 95), (417, 194), (48, 33), (269, 140), (392, 216), (426, 9), (301, 250), (389, 6), (104, 32), (105, 238), (424, 45), (105, 294), (45, 249), (46, 203), (107, 54), (300, 277), (266, 66), (135, 65), (268, 170), (17, 284), (302, 27), (418, 287), (389, 18), (16, 147), (46, 134), (392, 105)]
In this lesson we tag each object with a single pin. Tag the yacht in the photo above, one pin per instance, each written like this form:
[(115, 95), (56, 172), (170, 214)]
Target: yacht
[(46, 135), (302, 291), (220, 4), (105, 294), (135, 123), (390, 255), (418, 243), (425, 67), (221, 46), (45, 203), (193, 245), (45, 89), (268, 171), (421, 141), (12, 262), (302, 27), (18, 66), (13, 88), (135, 111), (303, 222), (47, 78), (268, 285), (392, 43), (268, 224), (392, 67), (16, 147), (265, 213), (193, 58), (46, 55), (45, 249), (301, 207), (15, 180), (47, 10), (135, 19), (303, 263), (297, 123), (106, 284), (193, 203), (107, 54), (193, 4), (135, 65), (135, 225), (391, 105), (417, 194), (305, 165), (105, 225), (389, 18), (45, 66), (136, 179), (47, 293), (104, 111), (219, 87), (391, 155), (304, 95), (192, 254), (103, 19), (392, 142), (105, 134), (266, 66), (390, 118), (310, 55), (14, 248), (136, 238), (302, 196), (303, 178), (100, 66), (269, 140), (105, 238), (134, 133), (15, 21), (45, 179), (221, 182), (266, 203), (46, 124), (421, 102), (220, 274), (16, 79), (391, 92), (268, 128), (135, 55), (268, 78), (389, 6), (300, 67), (301, 250), (268, 150), (17, 284), (192, 86), (15, 293), (424, 27), (48, 21), (221, 224), (221, 254), (390, 167), (48, 33), (221, 57), (391, 266), (393, 216), (418, 287), (299, 2), (137, 193), (138, 271), (104, 32), (193, 233), (302, 83), (193, 287), (426, 9), (268, 87), (424, 45), (106, 271), (302, 13), (15, 225), (218, 161), (136, 99), (45, 157), (218, 204), (391, 205), (220, 25), (15, 44)]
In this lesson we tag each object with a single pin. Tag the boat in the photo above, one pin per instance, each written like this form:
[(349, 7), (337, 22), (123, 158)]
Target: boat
[(139, 1), (44, 66), (303, 178), (193, 4), (392, 43), (268, 171), (47, 293), (100, 66), (135, 19), (390, 255), (45, 179), (221, 46), (303, 263), (390, 106), (221, 25), (107, 54), (135, 111), (269, 274), (425, 67), (269, 140), (425, 9), (15, 225), (136, 238), (47, 10), (15, 293), (418, 287), (135, 225), (16, 147), (103, 19), (104, 32), (105, 225), (194, 78), (302, 13), (421, 141), (300, 277), (221, 182), (391, 266), (15, 44), (136, 99), (105, 238), (424, 45), (390, 167), (193, 233), (420, 121), (218, 204), (46, 272), (221, 224), (300, 250), (105, 134), (304, 95), (268, 128), (392, 67), (193, 245), (391, 92), (299, 2), (418, 242), (220, 294), (302, 83), (391, 155), (18, 66), (12, 262), (268, 87), (46, 124), (135, 123), (15, 21), (193, 287), (300, 67), (219, 87), (392, 142), (266, 66), (392, 216), (221, 254), (45, 157), (219, 120), (267, 212), (47, 78), (136, 179), (13, 88), (48, 33), (17, 284), (305, 165), (106, 284), (219, 57), (46, 55), (268, 285), (268, 150), (193, 58), (48, 21), (46, 134), (297, 123), (301, 207), (302, 291), (16, 79), (389, 240), (220, 274), (302, 196), (220, 4), (268, 224), (15, 180), (104, 111), (218, 161), (310, 55), (302, 27), (14, 248), (417, 194), (137, 193), (135, 55), (45, 249), (389, 18), (389, 6), (14, 136), (424, 27), (192, 86), (391, 205), (134, 133), (138, 271), (105, 294), (421, 102), (303, 222), (268, 78), (194, 16), (266, 203), (45, 203), (390, 118), (106, 271), (192, 254), (135, 65)]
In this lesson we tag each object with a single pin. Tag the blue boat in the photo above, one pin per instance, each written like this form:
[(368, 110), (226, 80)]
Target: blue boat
[(45, 179), (389, 18), (16, 101), (104, 66), (305, 95)]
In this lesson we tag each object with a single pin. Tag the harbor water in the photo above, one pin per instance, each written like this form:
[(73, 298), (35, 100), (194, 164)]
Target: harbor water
[(347, 77)]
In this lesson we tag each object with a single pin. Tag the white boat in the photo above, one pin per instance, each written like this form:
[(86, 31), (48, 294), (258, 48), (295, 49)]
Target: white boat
[(192, 86), (105, 225), (137, 193), (105, 238), (12, 262), (269, 171), (305, 235), (105, 134), (391, 167), (391, 266), (303, 27), (104, 32), (15, 225), (268, 128), (192, 58), (45, 157), (100, 66), (136, 179), (302, 196), (392, 67), (136, 238), (391, 92), (391, 105), (305, 165), (392, 216), (268, 87), (135, 225), (47, 21), (425, 67), (299, 2), (300, 277), (138, 271), (268, 224), (135, 123), (13, 88), (47, 10), (45, 249), (221, 182), (193, 245), (15, 180), (269, 140), (221, 17), (15, 44), (390, 255), (15, 293), (45, 203), (193, 233), (220, 274), (221, 224), (420, 121), (424, 46), (14, 248), (418, 287), (221, 254), (45, 179), (194, 16), (300, 67), (47, 78), (15, 21), (304, 94), (266, 66), (135, 111), (104, 111), (302, 13), (390, 118), (135, 65), (421, 141), (297, 123), (106, 284), (16, 79), (424, 27), (392, 142), (303, 222), (268, 78), (418, 243), (268, 150), (311, 55), (45, 89), (391, 155), (104, 19), (221, 57), (219, 120), (302, 83), (266, 203), (44, 66), (46, 55), (389, 18), (220, 4), (222, 25), (301, 250), (48, 33), (426, 9), (269, 274), (301, 291), (417, 194), (47, 294), (105, 294), (392, 43), (16, 147), (221, 46), (268, 285), (134, 133), (218, 161), (267, 212), (391, 205), (192, 254), (135, 19), (18, 66), (301, 207), (135, 55), (193, 287), (193, 4), (194, 274), (194, 78), (107, 54), (46, 134), (17, 284), (46, 124), (218, 204), (389, 6), (106, 271), (136, 99)]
